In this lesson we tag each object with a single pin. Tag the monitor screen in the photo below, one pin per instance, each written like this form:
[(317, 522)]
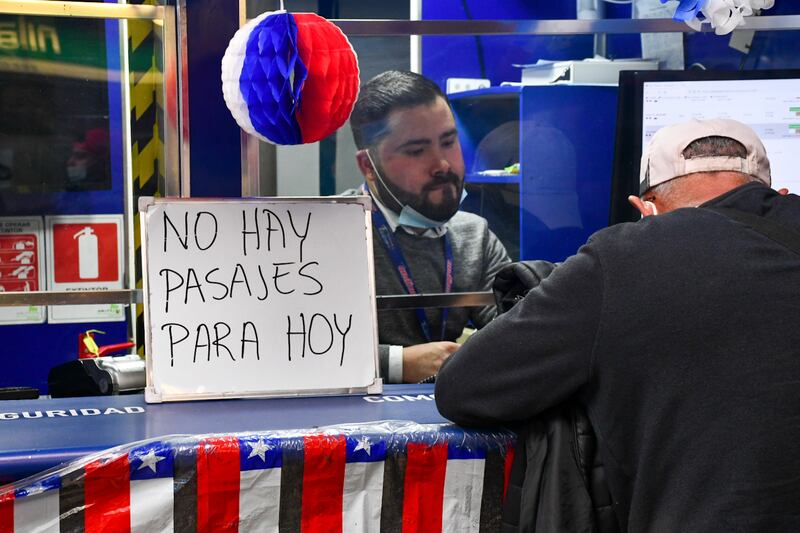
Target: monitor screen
[(767, 101)]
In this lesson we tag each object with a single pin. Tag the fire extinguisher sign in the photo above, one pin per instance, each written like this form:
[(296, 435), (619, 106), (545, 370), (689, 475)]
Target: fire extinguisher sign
[(85, 252)]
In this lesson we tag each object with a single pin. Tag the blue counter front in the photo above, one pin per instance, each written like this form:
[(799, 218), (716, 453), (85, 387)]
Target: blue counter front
[(39, 434)]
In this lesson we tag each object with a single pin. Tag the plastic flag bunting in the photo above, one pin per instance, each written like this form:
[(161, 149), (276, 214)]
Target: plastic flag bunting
[(382, 476), (290, 78)]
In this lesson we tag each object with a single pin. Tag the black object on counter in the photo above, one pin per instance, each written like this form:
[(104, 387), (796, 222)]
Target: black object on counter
[(97, 376), (19, 393)]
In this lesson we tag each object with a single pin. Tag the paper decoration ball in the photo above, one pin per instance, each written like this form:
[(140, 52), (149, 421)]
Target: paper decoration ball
[(290, 78), (687, 9)]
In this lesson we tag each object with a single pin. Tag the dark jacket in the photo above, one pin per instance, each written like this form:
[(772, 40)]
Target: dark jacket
[(557, 481), (680, 335)]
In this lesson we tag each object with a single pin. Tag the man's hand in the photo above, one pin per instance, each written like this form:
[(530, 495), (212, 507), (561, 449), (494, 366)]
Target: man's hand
[(423, 360)]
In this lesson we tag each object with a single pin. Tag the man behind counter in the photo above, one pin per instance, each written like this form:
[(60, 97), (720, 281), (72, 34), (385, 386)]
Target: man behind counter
[(410, 156), (679, 334)]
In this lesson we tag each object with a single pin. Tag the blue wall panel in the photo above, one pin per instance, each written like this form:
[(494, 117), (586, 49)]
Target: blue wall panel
[(567, 147), (215, 145), (463, 56)]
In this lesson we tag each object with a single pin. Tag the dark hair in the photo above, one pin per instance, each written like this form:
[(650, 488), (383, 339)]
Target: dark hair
[(715, 146), (383, 94)]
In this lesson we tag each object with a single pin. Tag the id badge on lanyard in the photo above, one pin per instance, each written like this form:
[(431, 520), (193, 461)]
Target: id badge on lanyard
[(404, 272)]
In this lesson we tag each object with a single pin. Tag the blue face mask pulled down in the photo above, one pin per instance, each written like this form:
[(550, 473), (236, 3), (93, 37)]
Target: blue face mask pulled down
[(413, 218), (408, 215)]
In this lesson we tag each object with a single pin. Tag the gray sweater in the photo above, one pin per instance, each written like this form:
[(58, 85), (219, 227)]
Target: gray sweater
[(478, 254)]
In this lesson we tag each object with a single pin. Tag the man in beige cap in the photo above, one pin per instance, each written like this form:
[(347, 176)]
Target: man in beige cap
[(688, 164), (679, 334)]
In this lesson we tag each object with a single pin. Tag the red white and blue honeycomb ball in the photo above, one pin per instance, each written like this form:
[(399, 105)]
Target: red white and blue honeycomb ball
[(290, 78)]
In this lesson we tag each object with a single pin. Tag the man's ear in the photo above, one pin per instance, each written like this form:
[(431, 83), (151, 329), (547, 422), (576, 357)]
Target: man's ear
[(647, 209), (365, 165), (783, 192)]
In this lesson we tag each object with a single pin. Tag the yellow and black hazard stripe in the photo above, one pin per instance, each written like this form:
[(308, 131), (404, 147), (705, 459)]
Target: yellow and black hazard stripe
[(146, 117)]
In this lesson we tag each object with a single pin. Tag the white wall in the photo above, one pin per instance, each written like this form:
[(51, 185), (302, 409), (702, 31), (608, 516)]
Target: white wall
[(298, 170)]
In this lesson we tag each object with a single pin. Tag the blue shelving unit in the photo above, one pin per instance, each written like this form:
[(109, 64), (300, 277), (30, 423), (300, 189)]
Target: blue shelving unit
[(563, 138), (481, 178)]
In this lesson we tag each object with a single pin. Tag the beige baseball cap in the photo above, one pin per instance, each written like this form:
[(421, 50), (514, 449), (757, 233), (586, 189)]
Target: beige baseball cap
[(663, 158)]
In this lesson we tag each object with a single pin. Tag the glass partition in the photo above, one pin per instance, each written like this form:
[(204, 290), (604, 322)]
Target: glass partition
[(60, 80), (84, 131), (538, 139), (88, 123), (535, 105)]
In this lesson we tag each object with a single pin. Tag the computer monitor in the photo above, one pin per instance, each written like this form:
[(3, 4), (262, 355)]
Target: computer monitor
[(766, 100)]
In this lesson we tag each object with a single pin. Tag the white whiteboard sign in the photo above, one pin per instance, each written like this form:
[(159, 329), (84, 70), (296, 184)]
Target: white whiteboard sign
[(252, 297)]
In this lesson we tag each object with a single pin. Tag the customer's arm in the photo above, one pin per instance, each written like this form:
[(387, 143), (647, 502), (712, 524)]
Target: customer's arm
[(531, 358)]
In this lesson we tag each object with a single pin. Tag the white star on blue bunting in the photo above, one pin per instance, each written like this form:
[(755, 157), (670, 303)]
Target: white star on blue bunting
[(260, 449), (363, 444), (149, 460)]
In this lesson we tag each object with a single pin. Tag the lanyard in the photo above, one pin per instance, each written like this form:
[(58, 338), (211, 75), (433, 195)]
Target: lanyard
[(404, 272)]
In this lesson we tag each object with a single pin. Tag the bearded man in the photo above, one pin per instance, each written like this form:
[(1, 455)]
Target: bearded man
[(410, 156)]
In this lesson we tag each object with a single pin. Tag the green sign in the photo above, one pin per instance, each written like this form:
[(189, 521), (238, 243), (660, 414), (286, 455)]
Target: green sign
[(53, 45)]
